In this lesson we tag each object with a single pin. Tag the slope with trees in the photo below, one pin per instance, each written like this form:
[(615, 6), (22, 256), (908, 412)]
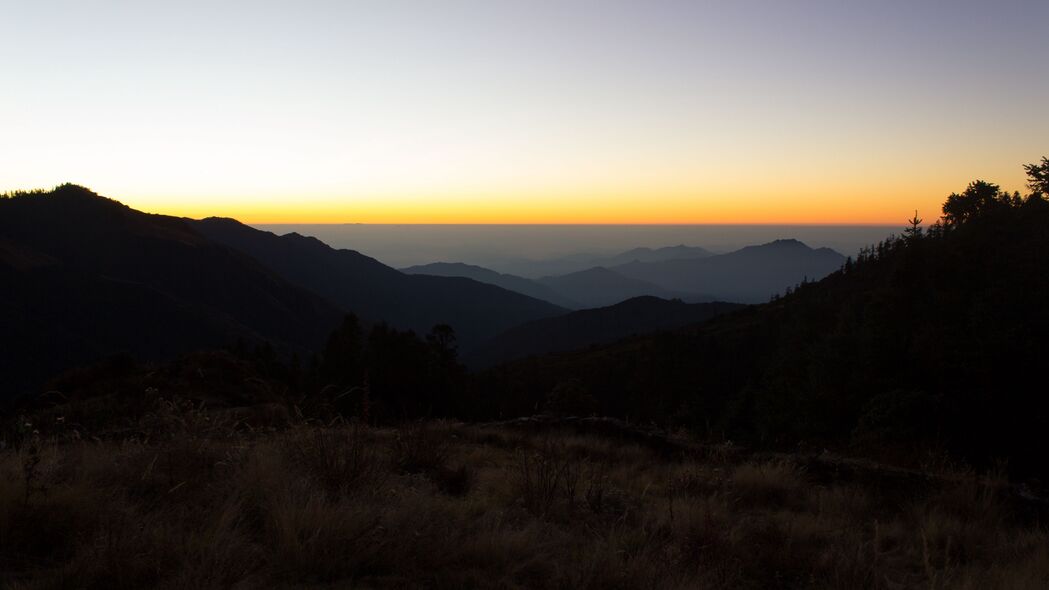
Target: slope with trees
[(929, 340), (602, 325), (83, 277)]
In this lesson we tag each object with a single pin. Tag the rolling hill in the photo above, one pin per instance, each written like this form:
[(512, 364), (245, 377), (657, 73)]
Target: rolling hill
[(602, 325)]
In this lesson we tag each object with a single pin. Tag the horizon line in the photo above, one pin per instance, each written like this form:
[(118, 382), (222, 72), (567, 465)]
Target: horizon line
[(586, 224)]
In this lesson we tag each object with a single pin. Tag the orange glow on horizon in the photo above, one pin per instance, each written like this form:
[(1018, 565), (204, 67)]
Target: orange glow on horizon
[(845, 193), (510, 113), (824, 208)]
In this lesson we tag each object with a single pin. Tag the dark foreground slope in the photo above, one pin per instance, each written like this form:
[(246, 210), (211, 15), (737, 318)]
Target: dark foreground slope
[(209, 499), (83, 277), (934, 341), (748, 275), (374, 291), (602, 325)]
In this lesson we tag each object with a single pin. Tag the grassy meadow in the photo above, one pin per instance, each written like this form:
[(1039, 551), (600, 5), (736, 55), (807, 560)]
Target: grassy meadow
[(189, 498)]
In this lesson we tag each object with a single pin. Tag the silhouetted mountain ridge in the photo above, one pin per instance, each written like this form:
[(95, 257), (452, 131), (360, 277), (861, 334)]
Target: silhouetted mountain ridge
[(85, 277), (374, 291)]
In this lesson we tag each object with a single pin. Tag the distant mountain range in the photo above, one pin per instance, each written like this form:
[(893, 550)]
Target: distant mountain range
[(577, 262), (599, 286), (655, 254), (522, 285), (585, 289), (748, 275), (583, 328)]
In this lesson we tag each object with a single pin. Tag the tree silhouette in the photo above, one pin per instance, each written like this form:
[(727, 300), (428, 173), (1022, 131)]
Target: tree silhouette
[(343, 358), (1038, 177), (979, 198), (913, 232), (443, 342)]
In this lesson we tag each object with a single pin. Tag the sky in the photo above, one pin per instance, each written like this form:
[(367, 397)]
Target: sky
[(659, 112)]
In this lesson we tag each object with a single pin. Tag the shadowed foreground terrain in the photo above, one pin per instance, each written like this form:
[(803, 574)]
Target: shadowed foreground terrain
[(184, 496)]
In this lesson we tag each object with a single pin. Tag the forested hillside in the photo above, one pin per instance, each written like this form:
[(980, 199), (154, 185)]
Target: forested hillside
[(932, 338), (83, 277)]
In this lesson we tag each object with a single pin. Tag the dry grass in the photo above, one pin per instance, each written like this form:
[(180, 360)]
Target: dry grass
[(452, 506)]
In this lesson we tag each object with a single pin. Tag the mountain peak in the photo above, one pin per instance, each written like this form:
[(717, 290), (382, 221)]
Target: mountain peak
[(81, 195), (787, 242), (67, 193), (70, 190)]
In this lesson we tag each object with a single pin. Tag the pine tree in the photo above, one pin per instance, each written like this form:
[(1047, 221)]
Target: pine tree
[(914, 232)]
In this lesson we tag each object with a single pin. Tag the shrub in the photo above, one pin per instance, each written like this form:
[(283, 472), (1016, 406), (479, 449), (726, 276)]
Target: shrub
[(772, 483), (340, 459), (418, 448), (899, 416), (544, 476)]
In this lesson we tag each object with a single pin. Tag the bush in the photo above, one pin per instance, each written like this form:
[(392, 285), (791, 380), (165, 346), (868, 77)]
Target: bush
[(340, 459), (899, 416), (570, 398), (545, 476), (418, 448)]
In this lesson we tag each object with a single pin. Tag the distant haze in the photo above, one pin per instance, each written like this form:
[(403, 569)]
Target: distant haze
[(505, 247)]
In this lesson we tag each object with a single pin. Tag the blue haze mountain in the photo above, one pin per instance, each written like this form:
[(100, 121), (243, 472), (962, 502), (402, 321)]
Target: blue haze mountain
[(749, 275), (600, 287), (522, 285)]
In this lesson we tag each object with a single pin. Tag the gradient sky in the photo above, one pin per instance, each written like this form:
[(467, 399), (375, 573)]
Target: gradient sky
[(524, 112)]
